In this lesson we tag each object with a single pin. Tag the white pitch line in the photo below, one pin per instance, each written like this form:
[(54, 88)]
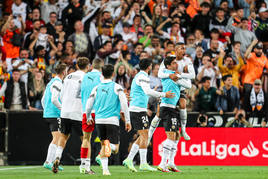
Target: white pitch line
[(18, 168)]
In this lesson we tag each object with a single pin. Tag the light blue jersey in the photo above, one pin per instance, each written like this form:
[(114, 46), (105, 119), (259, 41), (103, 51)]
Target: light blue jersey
[(138, 97), (90, 80), (50, 110), (170, 85), (107, 103)]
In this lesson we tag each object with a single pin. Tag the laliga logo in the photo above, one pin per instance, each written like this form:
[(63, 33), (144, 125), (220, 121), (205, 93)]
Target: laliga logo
[(221, 151), (250, 150)]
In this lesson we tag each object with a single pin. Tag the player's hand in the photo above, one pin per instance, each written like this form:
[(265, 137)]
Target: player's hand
[(128, 127), (221, 112), (169, 94), (174, 77)]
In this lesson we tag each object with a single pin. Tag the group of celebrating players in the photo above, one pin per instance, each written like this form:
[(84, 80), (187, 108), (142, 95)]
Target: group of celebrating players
[(98, 101)]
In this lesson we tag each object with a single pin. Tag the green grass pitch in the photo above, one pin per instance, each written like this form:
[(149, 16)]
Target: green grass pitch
[(120, 172)]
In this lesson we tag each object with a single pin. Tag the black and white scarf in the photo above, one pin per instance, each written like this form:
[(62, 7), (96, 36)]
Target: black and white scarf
[(256, 101)]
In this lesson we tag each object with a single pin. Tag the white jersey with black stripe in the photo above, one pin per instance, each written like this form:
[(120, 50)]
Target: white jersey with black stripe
[(71, 96)]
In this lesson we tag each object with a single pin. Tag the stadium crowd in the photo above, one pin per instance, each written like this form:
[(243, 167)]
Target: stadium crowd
[(227, 41)]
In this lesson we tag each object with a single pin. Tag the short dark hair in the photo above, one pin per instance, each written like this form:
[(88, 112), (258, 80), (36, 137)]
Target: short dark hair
[(222, 1), (137, 44), (205, 4), (97, 63), (214, 30), (219, 9), (53, 12), (107, 70), (145, 63), (179, 44), (15, 70), (169, 60), (154, 65), (225, 77), (82, 62), (60, 68), (236, 42), (24, 49), (205, 78)]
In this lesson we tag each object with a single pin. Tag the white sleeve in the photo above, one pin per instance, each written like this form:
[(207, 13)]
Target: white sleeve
[(43, 100), (3, 89), (89, 15), (123, 101), (90, 101), (191, 72), (55, 91), (161, 73), (186, 83), (144, 82)]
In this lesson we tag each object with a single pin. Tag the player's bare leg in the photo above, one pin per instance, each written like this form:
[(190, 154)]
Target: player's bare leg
[(171, 164), (85, 154), (183, 118)]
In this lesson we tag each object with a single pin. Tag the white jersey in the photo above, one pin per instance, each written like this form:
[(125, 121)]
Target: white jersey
[(71, 96), (181, 64)]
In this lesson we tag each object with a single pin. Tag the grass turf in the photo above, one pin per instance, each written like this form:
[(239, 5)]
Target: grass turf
[(119, 172)]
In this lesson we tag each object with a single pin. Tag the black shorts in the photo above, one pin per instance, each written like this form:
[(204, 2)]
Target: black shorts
[(139, 120), (169, 117), (68, 125), (53, 124), (108, 132)]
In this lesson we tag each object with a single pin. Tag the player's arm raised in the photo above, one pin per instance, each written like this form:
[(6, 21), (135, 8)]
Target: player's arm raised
[(89, 105), (124, 106)]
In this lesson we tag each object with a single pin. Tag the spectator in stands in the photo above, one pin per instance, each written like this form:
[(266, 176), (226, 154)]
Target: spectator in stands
[(241, 33), (256, 103), (51, 24), (47, 8), (262, 25), (175, 34), (121, 76), (247, 5), (14, 92), (60, 35), (198, 58), (256, 63), (206, 96), (31, 35), (19, 9), (201, 21), (213, 49), (105, 52), (228, 100), (130, 38), (227, 65), (12, 39), (23, 63), (36, 89), (219, 21), (148, 33), (81, 40), (72, 13), (35, 16), (209, 70), (180, 12), (155, 82), (135, 56), (102, 38)]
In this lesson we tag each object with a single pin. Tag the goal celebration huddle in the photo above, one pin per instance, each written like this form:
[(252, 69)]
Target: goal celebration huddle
[(88, 100)]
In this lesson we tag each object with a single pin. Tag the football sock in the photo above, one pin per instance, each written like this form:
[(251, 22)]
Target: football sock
[(104, 163), (183, 117), (58, 152), (133, 151), (51, 153), (143, 156), (167, 147), (153, 126), (173, 153), (87, 162)]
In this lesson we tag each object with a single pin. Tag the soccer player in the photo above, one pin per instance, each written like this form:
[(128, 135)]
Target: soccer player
[(107, 99), (168, 114), (185, 70), (71, 112), (140, 89), (90, 80), (52, 106)]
